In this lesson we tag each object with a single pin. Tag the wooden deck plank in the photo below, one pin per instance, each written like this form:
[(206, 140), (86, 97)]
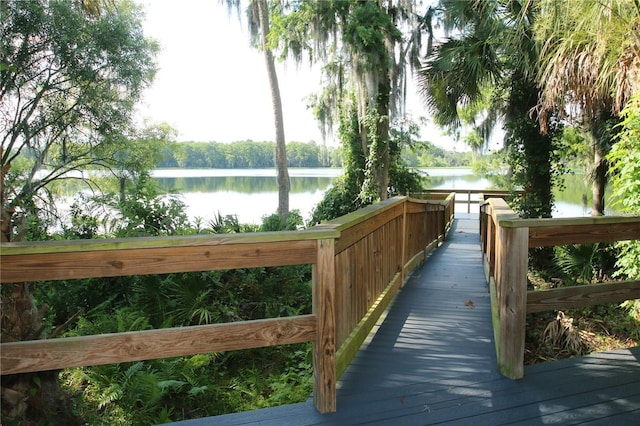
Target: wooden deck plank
[(431, 360)]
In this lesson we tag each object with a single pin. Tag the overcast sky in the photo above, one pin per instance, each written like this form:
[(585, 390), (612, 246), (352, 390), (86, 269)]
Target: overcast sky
[(212, 86)]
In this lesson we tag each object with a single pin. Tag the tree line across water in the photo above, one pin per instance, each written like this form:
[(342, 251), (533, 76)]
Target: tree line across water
[(253, 154)]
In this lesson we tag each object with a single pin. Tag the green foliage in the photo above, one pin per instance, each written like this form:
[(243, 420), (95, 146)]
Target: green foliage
[(228, 224), (426, 154), (532, 155), (68, 94), (586, 263), (275, 222), (202, 385), (402, 180), (488, 62), (344, 196), (157, 391), (574, 150), (576, 261), (625, 168), (625, 160), (629, 261), (146, 214), (378, 149), (84, 225), (143, 211), (242, 154), (340, 199), (366, 49), (357, 187)]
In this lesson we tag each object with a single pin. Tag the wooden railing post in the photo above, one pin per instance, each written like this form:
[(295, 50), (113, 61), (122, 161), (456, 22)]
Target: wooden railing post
[(490, 246), (482, 209), (324, 347), (512, 260), (442, 222), (405, 238)]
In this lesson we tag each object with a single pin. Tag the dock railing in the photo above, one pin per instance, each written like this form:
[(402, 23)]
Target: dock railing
[(359, 262), (505, 241), (468, 197)]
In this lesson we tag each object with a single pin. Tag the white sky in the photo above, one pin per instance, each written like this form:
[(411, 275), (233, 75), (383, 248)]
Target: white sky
[(212, 86)]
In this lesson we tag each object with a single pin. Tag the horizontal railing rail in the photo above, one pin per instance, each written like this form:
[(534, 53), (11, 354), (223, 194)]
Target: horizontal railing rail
[(481, 195), (359, 261), (505, 241), (373, 256)]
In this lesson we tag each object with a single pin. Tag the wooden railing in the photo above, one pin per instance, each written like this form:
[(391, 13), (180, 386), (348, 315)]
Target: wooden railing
[(359, 262), (463, 196), (506, 240)]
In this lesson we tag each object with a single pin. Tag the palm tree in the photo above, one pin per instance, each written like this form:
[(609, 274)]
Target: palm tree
[(95, 7), (590, 67), (258, 14), (489, 57)]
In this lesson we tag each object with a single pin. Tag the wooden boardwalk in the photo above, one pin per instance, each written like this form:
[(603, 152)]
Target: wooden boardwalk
[(432, 361)]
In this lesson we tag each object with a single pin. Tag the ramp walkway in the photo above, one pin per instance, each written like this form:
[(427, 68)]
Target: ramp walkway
[(431, 361)]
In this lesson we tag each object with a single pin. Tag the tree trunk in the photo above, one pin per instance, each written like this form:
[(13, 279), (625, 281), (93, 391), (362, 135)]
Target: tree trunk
[(122, 181), (603, 128), (284, 184), (382, 127), (599, 180), (31, 398), (6, 213), (384, 160)]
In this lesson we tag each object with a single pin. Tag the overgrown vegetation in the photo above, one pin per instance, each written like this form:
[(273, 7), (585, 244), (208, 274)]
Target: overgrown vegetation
[(574, 332), (355, 189), (157, 391), (563, 334), (603, 327)]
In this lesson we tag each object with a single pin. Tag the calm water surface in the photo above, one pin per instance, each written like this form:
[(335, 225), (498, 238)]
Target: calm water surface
[(251, 194)]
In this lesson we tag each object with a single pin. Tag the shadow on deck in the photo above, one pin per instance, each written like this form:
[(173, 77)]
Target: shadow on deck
[(432, 360)]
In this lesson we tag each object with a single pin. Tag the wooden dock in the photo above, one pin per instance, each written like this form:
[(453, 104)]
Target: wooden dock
[(431, 360)]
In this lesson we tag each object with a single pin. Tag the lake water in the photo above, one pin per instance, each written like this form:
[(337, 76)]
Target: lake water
[(251, 194)]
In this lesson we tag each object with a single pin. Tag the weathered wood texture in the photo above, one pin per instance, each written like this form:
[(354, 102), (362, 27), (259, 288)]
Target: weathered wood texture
[(53, 354), (423, 227), (116, 258), (560, 232), (372, 259), (505, 239), (352, 344), (511, 273), (583, 295), (431, 361), (359, 262), (324, 352), (367, 260), (466, 197), (449, 210)]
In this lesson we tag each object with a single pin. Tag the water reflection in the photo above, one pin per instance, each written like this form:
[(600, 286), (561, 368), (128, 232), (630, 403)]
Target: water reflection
[(243, 184), (253, 193)]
